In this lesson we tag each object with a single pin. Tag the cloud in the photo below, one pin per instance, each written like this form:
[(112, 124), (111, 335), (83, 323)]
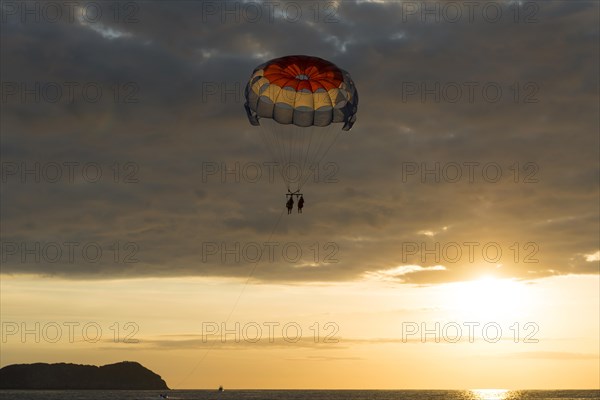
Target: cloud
[(198, 342), (172, 80), (553, 355), (397, 274), (231, 342), (593, 257), (324, 358)]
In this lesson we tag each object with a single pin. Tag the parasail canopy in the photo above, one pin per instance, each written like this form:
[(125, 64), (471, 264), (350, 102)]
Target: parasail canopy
[(303, 91), (301, 99)]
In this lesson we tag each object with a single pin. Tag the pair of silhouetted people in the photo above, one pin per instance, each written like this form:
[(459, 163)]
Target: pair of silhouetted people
[(290, 204)]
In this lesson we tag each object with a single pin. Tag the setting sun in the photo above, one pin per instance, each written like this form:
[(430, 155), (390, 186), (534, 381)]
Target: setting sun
[(488, 297)]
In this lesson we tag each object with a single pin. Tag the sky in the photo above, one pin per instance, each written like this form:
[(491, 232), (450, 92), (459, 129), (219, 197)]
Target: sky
[(449, 240)]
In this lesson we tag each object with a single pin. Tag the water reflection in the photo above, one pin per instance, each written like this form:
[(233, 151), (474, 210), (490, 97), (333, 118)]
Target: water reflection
[(491, 394)]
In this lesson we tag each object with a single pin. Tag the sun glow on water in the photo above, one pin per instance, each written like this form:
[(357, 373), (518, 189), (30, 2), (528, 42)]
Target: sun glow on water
[(490, 394)]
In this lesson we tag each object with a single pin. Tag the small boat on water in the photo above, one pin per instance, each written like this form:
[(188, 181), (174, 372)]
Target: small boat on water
[(221, 388)]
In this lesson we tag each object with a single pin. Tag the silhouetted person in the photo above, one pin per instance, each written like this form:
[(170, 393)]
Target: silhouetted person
[(300, 204), (290, 204)]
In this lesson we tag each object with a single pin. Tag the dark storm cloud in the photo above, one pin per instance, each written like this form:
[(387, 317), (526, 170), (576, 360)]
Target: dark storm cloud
[(179, 69)]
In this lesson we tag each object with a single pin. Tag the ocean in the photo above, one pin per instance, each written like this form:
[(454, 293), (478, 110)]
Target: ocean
[(303, 395)]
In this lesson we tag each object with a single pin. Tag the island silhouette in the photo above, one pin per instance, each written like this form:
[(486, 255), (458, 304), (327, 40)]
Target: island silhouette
[(126, 375)]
